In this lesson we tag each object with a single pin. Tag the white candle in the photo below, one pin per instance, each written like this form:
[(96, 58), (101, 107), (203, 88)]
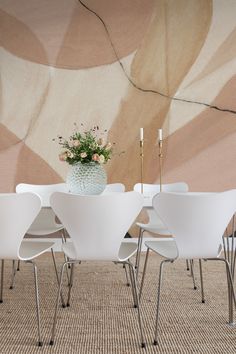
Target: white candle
[(141, 134), (160, 134)]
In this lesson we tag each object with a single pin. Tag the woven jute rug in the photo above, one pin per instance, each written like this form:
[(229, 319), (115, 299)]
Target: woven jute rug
[(101, 318)]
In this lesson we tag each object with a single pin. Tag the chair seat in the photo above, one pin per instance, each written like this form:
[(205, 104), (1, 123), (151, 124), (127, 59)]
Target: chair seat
[(44, 231), (165, 248), (31, 249), (155, 228), (127, 250)]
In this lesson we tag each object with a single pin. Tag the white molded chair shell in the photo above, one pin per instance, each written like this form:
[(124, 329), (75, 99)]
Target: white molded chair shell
[(17, 212), (45, 223), (114, 188), (155, 225), (97, 224), (150, 190), (43, 190), (196, 220)]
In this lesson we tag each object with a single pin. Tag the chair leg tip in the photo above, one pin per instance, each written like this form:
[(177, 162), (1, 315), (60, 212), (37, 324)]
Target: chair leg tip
[(63, 306), (68, 304), (51, 342), (203, 301), (18, 269), (40, 344), (1, 301), (11, 287), (155, 342), (135, 306), (195, 288), (128, 284), (143, 345)]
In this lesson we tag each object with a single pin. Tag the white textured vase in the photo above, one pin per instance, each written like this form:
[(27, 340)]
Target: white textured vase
[(88, 178)]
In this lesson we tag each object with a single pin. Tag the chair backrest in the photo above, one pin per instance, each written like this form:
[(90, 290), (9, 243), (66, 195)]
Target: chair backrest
[(114, 188), (45, 223), (97, 223), (43, 190), (17, 212), (196, 220), (149, 190)]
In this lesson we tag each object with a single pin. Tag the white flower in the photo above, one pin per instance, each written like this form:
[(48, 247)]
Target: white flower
[(101, 159), (70, 154)]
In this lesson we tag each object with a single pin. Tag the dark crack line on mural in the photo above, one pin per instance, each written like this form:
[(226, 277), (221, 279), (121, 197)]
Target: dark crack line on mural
[(208, 105)]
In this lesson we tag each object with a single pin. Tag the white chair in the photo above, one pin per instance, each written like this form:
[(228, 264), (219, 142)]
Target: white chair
[(197, 221), (114, 188), (17, 212), (97, 225), (117, 188), (45, 223), (154, 225)]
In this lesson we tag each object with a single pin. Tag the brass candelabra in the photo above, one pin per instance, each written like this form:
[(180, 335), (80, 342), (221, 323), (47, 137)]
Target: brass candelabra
[(160, 155), (141, 163)]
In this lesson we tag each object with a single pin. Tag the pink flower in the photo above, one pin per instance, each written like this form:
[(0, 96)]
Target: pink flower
[(63, 156), (95, 157), (83, 154), (76, 143)]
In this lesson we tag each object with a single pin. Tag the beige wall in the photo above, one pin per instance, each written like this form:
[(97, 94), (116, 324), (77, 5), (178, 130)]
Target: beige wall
[(58, 67)]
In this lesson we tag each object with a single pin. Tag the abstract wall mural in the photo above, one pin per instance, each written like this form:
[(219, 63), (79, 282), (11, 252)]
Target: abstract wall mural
[(120, 65)]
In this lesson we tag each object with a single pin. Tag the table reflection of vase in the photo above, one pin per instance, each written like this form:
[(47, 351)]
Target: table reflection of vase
[(86, 178)]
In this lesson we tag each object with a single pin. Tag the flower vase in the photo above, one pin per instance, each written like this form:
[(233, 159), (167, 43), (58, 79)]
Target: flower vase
[(86, 178)]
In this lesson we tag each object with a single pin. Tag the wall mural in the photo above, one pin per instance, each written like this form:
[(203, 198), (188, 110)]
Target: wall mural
[(120, 65)]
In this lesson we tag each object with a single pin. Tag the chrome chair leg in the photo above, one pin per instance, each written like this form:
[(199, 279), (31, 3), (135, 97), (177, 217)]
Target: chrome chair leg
[(2, 276), (138, 254), (126, 275), (71, 283), (144, 272), (192, 273), (132, 287), (57, 304), (155, 342), (13, 274), (18, 266), (201, 280), (132, 270), (40, 343), (57, 277), (63, 240), (231, 291), (187, 264)]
